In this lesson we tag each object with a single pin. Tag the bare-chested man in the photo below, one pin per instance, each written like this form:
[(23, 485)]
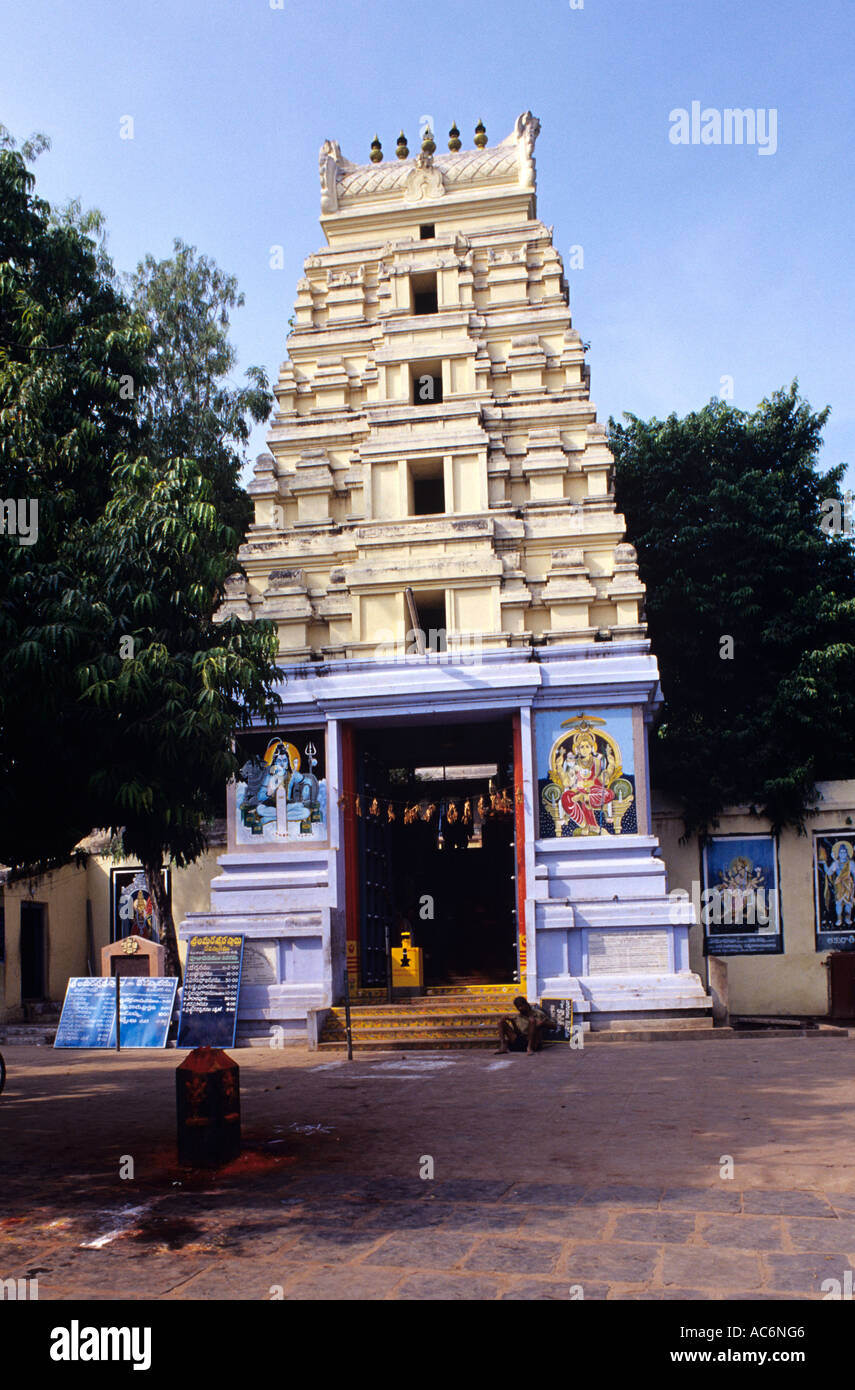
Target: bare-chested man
[(524, 1032)]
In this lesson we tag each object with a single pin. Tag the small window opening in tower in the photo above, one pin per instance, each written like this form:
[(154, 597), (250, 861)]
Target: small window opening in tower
[(427, 231), (430, 610), (427, 382), (427, 488), (424, 293)]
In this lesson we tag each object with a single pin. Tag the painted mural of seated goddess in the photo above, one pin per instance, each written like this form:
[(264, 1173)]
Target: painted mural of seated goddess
[(586, 794), (587, 773)]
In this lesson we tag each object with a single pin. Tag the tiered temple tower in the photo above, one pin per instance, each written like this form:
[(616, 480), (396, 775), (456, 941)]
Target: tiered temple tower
[(436, 539)]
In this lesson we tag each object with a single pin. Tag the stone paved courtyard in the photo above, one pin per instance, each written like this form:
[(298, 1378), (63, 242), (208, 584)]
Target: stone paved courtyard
[(595, 1173)]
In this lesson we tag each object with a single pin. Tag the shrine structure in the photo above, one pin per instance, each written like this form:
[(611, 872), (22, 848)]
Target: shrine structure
[(462, 755)]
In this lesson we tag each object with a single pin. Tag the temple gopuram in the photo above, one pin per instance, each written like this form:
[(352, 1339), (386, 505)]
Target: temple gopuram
[(455, 805)]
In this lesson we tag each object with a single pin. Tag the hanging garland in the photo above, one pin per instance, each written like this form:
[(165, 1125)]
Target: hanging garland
[(499, 804)]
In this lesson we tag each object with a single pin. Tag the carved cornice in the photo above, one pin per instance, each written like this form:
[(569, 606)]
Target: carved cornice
[(428, 177)]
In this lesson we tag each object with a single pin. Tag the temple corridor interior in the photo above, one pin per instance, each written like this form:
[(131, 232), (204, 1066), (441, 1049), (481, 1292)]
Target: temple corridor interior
[(436, 850)]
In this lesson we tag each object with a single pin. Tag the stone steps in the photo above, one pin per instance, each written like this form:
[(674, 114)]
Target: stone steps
[(436, 997), (656, 1034), (420, 1029), (429, 1033), (462, 1021), (412, 1027), (42, 1012), (27, 1034), (400, 1044), (447, 1016), (665, 1034), (825, 1030), (394, 1013)]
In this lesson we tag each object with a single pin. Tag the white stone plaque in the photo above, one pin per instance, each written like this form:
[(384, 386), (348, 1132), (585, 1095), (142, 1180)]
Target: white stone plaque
[(260, 963), (628, 953)]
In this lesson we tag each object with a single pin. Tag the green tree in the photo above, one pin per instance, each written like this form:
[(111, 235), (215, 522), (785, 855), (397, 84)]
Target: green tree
[(189, 407), (173, 685), (750, 605), (170, 541), (120, 694), (69, 352)]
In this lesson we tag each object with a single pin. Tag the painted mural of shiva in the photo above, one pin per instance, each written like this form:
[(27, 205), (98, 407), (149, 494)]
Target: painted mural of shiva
[(277, 790), (839, 882)]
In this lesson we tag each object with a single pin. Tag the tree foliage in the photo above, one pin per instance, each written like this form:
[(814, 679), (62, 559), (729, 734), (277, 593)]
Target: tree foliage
[(172, 685), (119, 692), (725, 510), (67, 341), (188, 405)]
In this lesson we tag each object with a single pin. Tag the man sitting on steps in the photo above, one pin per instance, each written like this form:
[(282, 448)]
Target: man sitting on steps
[(523, 1032)]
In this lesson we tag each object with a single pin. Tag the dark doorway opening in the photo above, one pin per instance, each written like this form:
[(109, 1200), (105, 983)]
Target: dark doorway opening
[(436, 850), (424, 293), (33, 974), (428, 496)]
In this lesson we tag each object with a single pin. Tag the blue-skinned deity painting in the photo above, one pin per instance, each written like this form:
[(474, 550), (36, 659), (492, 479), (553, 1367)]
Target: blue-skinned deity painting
[(281, 793)]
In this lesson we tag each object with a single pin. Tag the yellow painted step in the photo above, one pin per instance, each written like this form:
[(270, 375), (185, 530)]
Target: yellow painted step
[(409, 1045), (415, 1031)]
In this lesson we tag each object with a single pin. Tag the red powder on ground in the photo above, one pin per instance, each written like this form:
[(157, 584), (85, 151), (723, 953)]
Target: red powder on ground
[(162, 1170)]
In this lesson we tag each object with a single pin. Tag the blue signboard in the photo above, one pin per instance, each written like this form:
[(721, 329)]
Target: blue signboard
[(89, 1011), (145, 1009), (209, 1000)]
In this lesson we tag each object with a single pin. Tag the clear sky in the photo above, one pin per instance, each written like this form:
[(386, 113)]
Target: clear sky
[(701, 261)]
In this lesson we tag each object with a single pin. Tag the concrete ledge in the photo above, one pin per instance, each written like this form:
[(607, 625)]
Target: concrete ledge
[(276, 1033), (651, 1020), (315, 1020), (660, 1034)]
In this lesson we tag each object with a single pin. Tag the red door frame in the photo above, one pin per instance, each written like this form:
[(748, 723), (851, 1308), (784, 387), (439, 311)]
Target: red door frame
[(519, 843), (351, 855), (351, 851)]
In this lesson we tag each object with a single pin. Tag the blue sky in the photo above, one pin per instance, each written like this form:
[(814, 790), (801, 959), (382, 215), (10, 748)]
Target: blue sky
[(700, 261)]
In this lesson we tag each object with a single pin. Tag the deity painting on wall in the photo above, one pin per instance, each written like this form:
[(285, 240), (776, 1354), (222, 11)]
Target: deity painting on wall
[(586, 781), (132, 909), (281, 793), (834, 880), (740, 909)]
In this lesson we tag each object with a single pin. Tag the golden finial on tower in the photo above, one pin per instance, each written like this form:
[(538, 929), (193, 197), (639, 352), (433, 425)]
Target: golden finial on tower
[(480, 135), (454, 138), (401, 148), (428, 142), (376, 151)]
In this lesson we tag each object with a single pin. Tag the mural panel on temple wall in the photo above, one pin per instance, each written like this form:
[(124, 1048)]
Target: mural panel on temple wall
[(281, 794), (741, 908), (834, 874), (132, 909), (586, 773)]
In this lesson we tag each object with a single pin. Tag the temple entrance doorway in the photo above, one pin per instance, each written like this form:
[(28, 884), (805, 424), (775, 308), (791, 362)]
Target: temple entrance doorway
[(33, 954), (436, 851)]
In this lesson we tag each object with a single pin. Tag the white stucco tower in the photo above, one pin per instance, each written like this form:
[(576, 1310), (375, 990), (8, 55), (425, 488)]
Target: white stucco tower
[(436, 470)]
